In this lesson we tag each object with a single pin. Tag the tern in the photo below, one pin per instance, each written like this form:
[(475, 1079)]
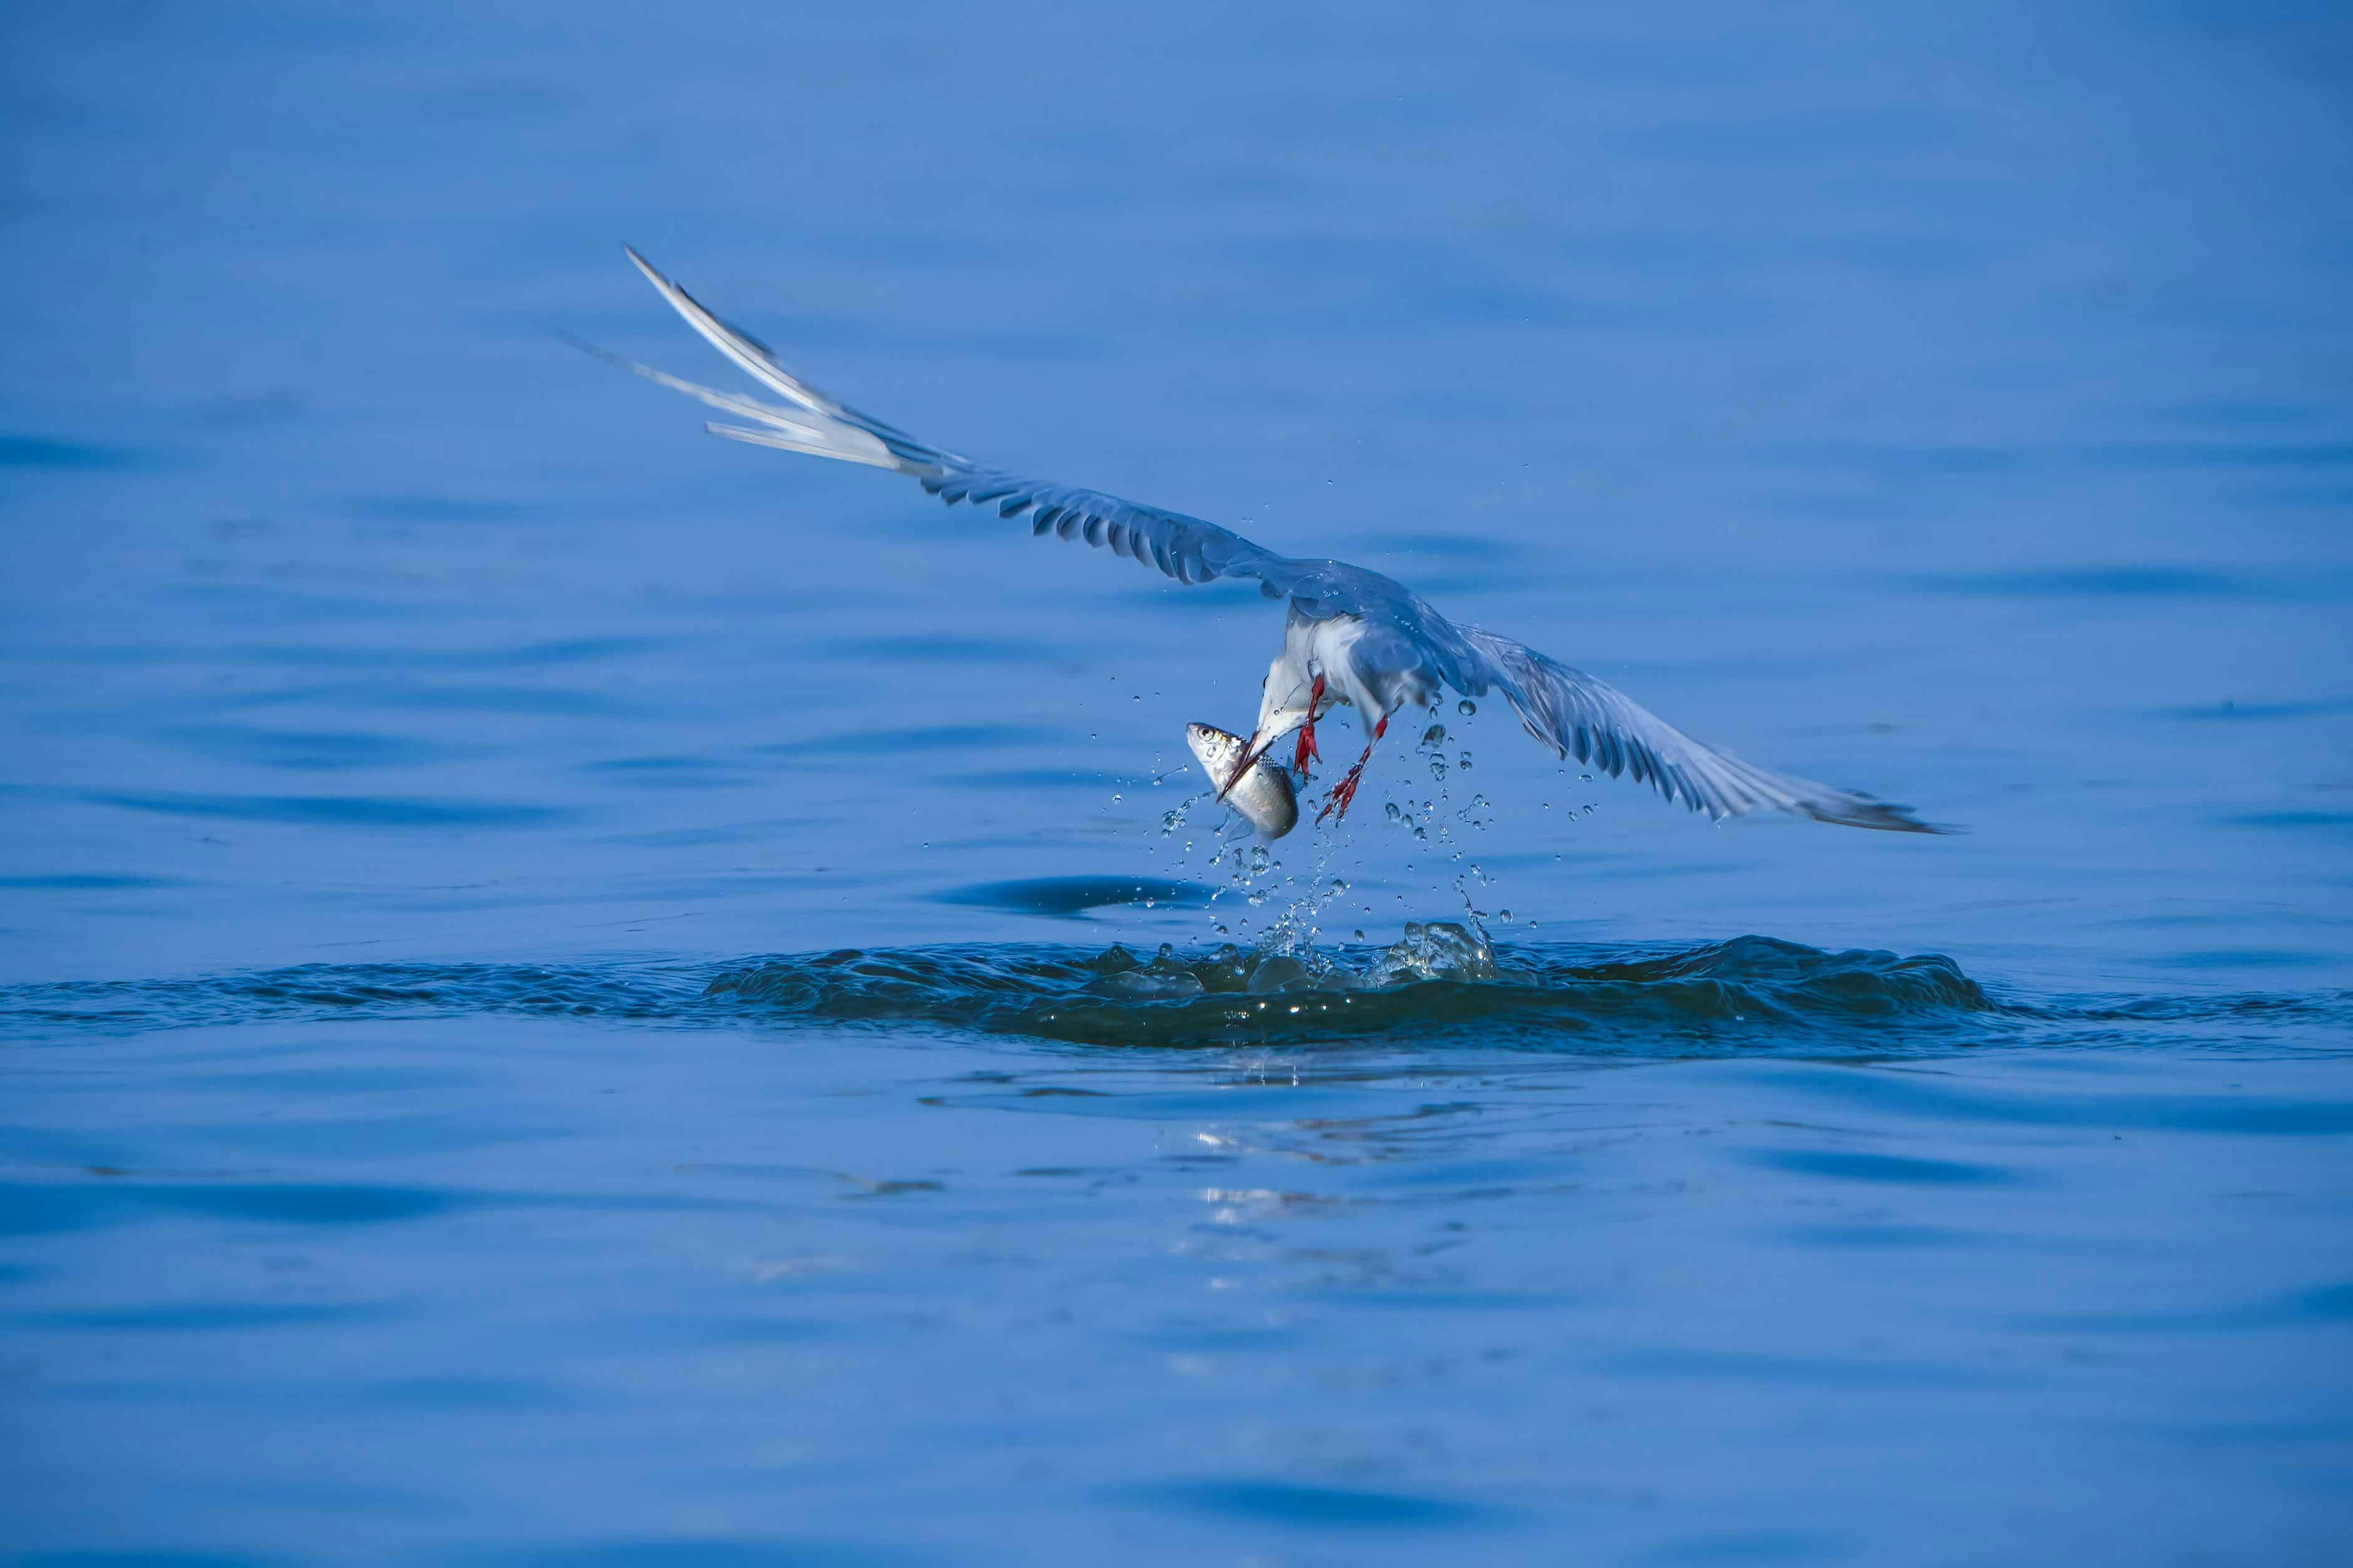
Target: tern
[(1351, 638)]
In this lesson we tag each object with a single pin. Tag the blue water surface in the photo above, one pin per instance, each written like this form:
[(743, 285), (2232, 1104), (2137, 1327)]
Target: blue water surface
[(572, 992)]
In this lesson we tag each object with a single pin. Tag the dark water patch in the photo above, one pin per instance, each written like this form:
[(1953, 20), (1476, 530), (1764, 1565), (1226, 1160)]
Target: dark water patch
[(700, 1551), (1025, 779), (1445, 546), (1799, 136), (35, 1209), (939, 645), (331, 811), (1848, 1166), (84, 882), (33, 452), (440, 508), (330, 991), (204, 1317), (305, 750), (1700, 1365), (1892, 460), (895, 743), (162, 1557), (2325, 1306), (2334, 820), (1889, 1237), (2221, 1110), (95, 1197), (392, 690), (1317, 1507), (401, 655), (465, 1392), (2238, 958), (2231, 710), (1071, 897), (2102, 583), (2241, 414), (562, 650), (1752, 1546), (664, 773)]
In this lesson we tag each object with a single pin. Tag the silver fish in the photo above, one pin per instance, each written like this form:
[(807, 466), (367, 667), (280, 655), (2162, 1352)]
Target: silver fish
[(1263, 798)]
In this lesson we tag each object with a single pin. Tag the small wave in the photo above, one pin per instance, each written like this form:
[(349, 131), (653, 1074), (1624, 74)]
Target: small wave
[(1443, 982), (1441, 979)]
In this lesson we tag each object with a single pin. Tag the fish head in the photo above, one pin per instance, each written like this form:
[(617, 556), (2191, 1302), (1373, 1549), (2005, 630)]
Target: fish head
[(1212, 746)]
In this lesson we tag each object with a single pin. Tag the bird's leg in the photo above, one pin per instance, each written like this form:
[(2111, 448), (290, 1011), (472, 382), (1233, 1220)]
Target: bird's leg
[(1336, 803), (1306, 752)]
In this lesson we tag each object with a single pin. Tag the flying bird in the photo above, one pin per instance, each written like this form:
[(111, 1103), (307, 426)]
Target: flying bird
[(1351, 638)]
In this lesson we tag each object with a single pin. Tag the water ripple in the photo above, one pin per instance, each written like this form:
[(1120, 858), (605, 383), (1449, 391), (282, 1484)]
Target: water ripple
[(1747, 995)]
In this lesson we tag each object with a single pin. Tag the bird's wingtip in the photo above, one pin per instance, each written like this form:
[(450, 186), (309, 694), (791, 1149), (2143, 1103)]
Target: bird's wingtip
[(652, 274), (1899, 819)]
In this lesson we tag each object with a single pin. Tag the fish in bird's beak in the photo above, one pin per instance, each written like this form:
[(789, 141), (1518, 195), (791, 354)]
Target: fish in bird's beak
[(1243, 760), (1259, 791)]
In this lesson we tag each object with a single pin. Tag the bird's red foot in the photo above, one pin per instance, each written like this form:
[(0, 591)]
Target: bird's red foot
[(1344, 794), (1305, 752), (1336, 803)]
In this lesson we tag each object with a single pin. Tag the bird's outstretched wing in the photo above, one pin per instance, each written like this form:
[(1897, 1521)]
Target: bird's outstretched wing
[(1185, 548), (1576, 714), (1565, 709)]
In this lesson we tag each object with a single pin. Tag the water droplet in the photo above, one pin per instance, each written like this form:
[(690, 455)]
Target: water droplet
[(1339, 885), (1588, 811), (1463, 762), (1394, 813), (1466, 708), (1584, 778), (1505, 915), (1434, 736), (1360, 933), (1168, 950)]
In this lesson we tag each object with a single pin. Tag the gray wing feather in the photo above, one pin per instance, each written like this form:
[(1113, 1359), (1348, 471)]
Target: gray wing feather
[(1577, 715), (1187, 548)]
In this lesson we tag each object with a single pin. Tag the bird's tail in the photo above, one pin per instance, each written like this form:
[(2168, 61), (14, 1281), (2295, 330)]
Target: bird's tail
[(814, 423)]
